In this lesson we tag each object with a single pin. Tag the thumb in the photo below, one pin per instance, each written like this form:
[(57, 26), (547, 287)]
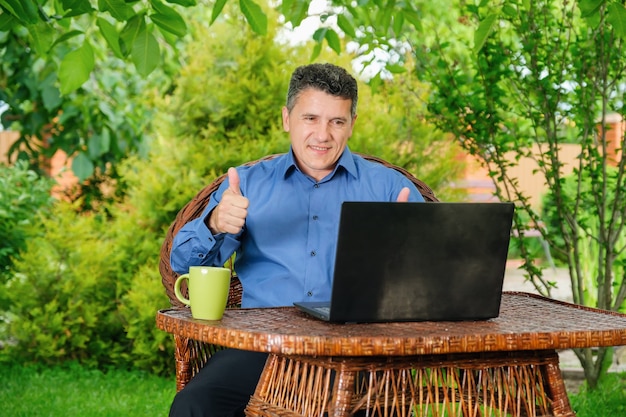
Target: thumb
[(403, 196), (233, 181)]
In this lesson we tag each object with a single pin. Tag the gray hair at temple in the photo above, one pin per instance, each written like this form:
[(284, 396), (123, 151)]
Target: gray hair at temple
[(328, 78)]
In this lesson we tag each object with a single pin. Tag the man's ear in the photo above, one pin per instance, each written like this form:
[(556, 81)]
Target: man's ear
[(285, 119)]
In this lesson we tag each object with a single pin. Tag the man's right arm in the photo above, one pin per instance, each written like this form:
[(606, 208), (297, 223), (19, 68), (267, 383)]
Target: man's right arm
[(195, 244)]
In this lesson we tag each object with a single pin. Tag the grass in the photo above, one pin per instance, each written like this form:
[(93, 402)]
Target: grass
[(609, 399), (76, 391)]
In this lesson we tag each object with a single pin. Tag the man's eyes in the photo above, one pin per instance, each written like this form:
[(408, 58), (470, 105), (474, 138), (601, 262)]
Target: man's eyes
[(333, 122)]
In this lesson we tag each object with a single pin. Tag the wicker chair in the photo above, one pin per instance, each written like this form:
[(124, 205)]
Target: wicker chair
[(190, 354)]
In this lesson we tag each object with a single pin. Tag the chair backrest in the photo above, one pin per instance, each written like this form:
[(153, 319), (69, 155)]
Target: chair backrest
[(194, 209)]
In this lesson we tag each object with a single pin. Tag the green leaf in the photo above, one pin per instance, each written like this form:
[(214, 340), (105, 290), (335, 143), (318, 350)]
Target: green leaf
[(145, 52), (483, 31), (295, 11), (76, 7), (395, 68), (82, 166), (398, 23), (133, 27), (317, 49), (319, 34), (217, 9), (254, 15), (75, 68), (24, 10), (67, 35), (6, 22), (185, 3), (172, 23), (345, 25), (589, 7), (616, 16), (51, 97), (333, 40), (413, 18), (42, 36), (111, 36), (509, 10), (117, 8)]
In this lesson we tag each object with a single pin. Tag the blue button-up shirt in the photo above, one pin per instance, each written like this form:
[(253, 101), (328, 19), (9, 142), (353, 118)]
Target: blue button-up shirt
[(286, 250)]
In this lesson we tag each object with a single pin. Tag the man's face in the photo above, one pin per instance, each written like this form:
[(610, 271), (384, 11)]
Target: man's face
[(319, 127)]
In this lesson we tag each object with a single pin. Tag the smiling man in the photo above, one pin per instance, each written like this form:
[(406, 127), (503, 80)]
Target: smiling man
[(281, 217)]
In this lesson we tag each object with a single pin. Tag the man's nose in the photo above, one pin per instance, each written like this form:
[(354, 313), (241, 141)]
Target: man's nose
[(323, 132)]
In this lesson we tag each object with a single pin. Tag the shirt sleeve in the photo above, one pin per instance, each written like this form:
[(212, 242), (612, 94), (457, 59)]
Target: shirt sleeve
[(195, 245)]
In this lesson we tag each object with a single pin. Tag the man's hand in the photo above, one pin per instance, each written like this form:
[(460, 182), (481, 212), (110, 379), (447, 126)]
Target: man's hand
[(230, 214), (403, 196)]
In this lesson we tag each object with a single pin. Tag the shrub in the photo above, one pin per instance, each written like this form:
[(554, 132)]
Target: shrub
[(23, 194), (64, 294)]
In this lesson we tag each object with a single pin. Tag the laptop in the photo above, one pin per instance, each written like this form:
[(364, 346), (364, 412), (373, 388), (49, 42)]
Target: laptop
[(418, 262)]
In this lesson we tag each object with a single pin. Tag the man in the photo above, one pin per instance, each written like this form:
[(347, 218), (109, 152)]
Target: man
[(281, 218)]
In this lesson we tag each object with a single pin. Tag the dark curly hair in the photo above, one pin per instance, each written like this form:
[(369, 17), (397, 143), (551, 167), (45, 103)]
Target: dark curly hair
[(328, 78)]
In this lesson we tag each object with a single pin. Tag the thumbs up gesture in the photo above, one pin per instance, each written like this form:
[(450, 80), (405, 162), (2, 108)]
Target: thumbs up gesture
[(230, 214), (403, 196)]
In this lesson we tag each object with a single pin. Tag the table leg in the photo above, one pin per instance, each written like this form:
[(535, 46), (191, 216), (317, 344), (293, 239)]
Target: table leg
[(556, 387), (343, 392)]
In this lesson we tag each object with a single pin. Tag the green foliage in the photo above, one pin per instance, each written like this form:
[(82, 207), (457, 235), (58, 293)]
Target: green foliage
[(63, 295), (543, 75), (23, 194), (392, 124), (134, 31), (97, 125), (580, 192)]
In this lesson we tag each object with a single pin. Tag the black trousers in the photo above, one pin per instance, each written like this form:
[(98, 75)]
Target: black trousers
[(223, 387)]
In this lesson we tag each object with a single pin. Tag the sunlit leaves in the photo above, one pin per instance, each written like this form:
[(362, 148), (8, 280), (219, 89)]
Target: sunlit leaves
[(117, 8), (184, 3), (75, 68), (295, 11), (217, 9), (168, 19), (617, 18), (589, 7), (172, 23), (76, 7), (333, 40), (484, 30), (145, 52), (345, 25), (41, 36), (254, 15), (24, 10), (111, 36)]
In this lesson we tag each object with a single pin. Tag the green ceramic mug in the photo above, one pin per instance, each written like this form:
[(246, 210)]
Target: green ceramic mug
[(208, 291)]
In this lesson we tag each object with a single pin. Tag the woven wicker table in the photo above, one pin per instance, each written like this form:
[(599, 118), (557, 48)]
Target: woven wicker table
[(507, 366)]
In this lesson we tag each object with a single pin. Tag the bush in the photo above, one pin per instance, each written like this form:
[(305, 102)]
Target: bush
[(64, 294), (23, 194)]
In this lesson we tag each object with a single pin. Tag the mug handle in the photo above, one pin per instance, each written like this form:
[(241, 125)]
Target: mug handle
[(177, 291)]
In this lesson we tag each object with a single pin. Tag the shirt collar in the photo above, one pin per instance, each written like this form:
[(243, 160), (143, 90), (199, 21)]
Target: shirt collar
[(346, 161)]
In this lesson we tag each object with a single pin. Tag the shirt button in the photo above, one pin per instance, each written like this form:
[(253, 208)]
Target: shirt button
[(315, 217), (316, 186), (309, 293), (313, 253), (201, 255)]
